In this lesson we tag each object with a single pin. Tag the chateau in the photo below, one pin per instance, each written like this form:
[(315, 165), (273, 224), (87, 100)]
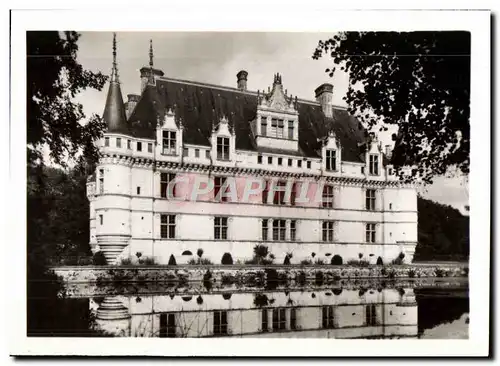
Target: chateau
[(187, 165)]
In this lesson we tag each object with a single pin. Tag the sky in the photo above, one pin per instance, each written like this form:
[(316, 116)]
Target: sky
[(216, 58)]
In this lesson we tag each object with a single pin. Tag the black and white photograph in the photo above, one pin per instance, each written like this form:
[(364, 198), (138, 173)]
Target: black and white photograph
[(278, 186)]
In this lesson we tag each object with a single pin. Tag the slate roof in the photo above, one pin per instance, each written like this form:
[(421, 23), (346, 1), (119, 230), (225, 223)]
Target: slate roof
[(200, 106)]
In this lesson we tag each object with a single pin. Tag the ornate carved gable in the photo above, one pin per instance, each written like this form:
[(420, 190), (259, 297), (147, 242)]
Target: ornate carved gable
[(277, 100), (223, 127)]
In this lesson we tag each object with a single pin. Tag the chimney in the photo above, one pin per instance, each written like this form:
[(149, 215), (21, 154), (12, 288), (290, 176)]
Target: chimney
[(324, 96), (388, 152), (132, 100), (242, 80)]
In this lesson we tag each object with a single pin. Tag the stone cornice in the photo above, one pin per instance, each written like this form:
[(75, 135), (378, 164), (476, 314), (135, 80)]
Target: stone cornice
[(242, 171)]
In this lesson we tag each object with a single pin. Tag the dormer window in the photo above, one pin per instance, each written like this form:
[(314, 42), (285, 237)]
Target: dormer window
[(331, 160), (223, 148), (277, 128), (263, 126), (169, 142), (290, 130), (373, 166)]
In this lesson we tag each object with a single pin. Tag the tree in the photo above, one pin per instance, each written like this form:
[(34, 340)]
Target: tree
[(419, 81), (54, 78)]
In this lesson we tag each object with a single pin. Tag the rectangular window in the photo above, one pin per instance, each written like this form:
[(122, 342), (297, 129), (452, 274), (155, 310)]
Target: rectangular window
[(265, 321), (327, 197), (279, 230), (279, 319), (101, 181), (370, 199), (259, 159), (328, 231), (299, 163), (280, 161), (373, 167), (165, 179), (138, 190), (293, 318), (290, 162), (129, 144), (106, 141), (274, 127), (220, 188), (118, 142), (281, 128), (269, 159), (328, 318), (371, 315), (207, 154), (331, 160), (169, 139), (263, 126), (167, 325), (308, 164), (370, 233), (196, 153), (167, 230), (265, 192), (150, 147), (265, 229), (185, 152), (139, 146), (362, 170), (101, 219), (222, 148), (290, 130), (293, 194), (293, 230), (220, 322), (279, 193), (220, 228)]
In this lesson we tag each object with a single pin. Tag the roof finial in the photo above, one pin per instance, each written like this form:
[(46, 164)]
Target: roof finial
[(151, 53), (114, 70), (151, 78)]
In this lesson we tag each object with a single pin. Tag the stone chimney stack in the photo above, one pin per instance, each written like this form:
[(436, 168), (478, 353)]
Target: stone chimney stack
[(324, 96), (132, 100), (242, 80)]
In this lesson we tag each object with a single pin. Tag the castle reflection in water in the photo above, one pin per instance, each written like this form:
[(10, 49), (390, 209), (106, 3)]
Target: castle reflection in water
[(335, 313)]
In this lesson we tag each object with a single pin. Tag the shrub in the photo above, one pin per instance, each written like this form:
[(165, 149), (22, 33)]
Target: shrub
[(187, 252), (260, 251), (265, 261), (360, 255), (204, 261), (192, 261), (98, 259), (401, 256), (148, 261), (336, 260), (286, 262), (172, 261), (126, 261), (380, 262), (207, 275), (411, 273), (199, 300), (313, 254), (199, 252), (383, 271), (227, 259), (305, 262), (138, 254), (272, 257), (319, 262), (398, 261), (391, 274), (356, 263)]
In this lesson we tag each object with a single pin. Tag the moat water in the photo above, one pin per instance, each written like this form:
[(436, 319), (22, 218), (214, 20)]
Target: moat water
[(385, 310)]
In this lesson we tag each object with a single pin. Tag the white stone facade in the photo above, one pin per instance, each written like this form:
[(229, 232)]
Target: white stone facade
[(353, 208)]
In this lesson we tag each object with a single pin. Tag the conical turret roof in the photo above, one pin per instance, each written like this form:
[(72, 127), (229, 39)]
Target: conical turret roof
[(114, 111)]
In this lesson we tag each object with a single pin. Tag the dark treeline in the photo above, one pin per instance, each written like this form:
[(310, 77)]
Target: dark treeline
[(443, 232), (58, 221)]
